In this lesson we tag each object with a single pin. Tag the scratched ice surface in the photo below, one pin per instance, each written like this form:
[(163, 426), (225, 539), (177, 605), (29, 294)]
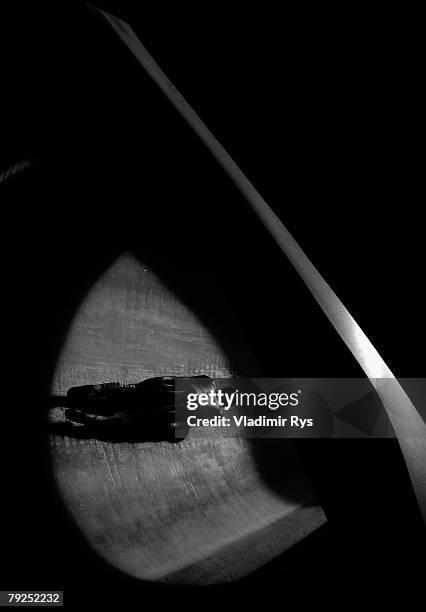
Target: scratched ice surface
[(196, 511)]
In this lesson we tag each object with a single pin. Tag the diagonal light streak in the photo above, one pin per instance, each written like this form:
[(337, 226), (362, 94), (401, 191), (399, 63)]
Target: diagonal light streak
[(409, 427)]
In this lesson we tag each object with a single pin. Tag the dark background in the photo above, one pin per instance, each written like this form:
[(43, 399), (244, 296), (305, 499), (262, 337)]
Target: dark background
[(322, 111)]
